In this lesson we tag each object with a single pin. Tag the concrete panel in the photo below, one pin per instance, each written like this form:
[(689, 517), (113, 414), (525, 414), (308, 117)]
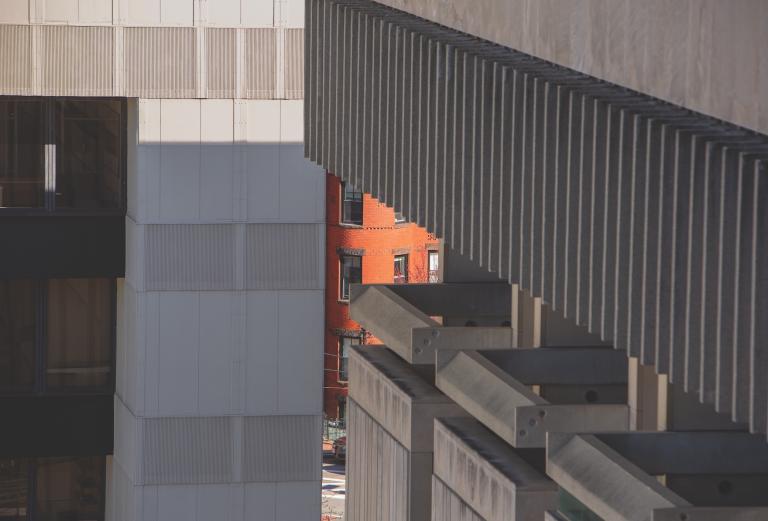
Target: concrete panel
[(225, 13), (16, 53), (77, 61), (261, 358), (145, 205), (298, 501), (160, 62), (284, 256), (177, 12), (293, 13), (447, 506), (263, 159), (300, 353), (218, 352), (15, 12), (257, 14), (180, 160), (302, 186), (214, 503), (176, 502), (179, 337), (261, 498), (95, 11), (140, 12), (218, 154), (61, 11), (221, 62), (259, 74)]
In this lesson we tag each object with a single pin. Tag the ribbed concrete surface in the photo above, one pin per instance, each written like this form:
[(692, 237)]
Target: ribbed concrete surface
[(638, 219)]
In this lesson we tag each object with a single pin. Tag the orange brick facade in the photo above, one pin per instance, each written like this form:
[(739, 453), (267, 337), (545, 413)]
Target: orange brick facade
[(381, 239)]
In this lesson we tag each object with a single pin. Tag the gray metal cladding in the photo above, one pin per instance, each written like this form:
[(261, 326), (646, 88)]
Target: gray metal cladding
[(77, 61), (221, 62), (187, 450), (190, 257), (259, 64), (640, 220), (283, 256), (160, 62), (294, 63), (16, 74), (281, 448), (378, 471)]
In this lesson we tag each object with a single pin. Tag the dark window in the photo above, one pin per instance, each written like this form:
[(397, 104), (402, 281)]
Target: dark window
[(18, 334), (344, 343), (56, 335), (351, 205), (351, 273), (399, 218), (88, 154), (401, 269), (62, 154), (434, 266), (55, 489), (79, 331), (22, 159)]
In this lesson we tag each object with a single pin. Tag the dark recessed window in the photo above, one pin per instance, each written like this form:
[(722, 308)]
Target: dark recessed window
[(399, 218), (344, 344), (56, 335), (351, 205), (62, 154), (22, 155), (401, 269), (53, 488), (351, 273)]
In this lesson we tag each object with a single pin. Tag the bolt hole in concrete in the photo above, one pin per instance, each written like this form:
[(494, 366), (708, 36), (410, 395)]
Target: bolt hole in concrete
[(591, 396), (532, 422), (506, 323), (542, 413), (683, 517), (725, 488), (523, 432), (470, 323)]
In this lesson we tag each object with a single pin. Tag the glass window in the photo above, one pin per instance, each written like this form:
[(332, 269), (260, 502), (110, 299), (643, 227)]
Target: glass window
[(351, 273), (351, 205), (79, 333), (14, 489), (401, 269), (22, 144), (88, 153), (70, 489), (434, 266), (17, 335), (344, 343), (399, 218)]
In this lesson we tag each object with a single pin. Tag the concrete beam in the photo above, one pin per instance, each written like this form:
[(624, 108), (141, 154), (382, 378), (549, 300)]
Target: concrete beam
[(711, 514), (510, 409), (487, 474)]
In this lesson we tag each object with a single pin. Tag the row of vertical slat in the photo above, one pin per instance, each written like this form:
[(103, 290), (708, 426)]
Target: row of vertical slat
[(149, 62), (644, 222)]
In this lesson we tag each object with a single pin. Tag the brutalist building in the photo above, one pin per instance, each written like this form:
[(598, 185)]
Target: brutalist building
[(597, 349)]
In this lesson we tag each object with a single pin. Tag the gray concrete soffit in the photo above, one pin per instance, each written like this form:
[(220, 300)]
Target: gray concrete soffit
[(711, 514), (637, 219), (510, 408)]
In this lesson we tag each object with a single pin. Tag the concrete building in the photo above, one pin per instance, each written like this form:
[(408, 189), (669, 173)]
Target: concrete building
[(163, 275), (598, 173), (365, 243)]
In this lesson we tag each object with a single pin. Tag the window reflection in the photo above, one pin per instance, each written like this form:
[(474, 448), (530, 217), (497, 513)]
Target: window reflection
[(79, 331), (88, 153), (22, 175), (70, 489), (17, 335)]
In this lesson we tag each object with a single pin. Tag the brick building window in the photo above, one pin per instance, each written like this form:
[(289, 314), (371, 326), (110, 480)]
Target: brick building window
[(434, 266), (344, 344), (399, 218), (351, 205), (351, 267), (401, 269)]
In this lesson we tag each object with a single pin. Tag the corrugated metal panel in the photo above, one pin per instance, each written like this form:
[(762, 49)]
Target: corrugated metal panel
[(77, 61), (283, 256), (281, 448), (447, 506), (189, 257), (221, 56), (642, 221), (294, 63), (16, 59), (378, 472), (259, 62), (187, 450), (160, 62)]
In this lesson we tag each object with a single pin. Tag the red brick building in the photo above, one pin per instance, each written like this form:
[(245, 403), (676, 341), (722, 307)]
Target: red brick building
[(365, 242)]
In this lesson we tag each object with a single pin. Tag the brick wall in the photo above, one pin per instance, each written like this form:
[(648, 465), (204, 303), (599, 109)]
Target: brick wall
[(381, 239)]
